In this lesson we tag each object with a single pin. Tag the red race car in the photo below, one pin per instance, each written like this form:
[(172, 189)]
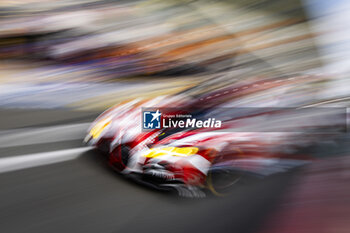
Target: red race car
[(195, 159)]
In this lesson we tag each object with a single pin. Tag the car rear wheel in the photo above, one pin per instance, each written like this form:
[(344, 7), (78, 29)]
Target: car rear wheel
[(222, 182)]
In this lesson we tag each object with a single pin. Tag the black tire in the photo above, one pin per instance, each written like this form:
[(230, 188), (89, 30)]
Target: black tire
[(222, 182), (125, 154)]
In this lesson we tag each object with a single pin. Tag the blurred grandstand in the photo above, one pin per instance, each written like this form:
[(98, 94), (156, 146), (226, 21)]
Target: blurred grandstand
[(98, 41)]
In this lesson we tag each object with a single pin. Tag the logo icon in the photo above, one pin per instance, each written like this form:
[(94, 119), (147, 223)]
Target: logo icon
[(151, 119)]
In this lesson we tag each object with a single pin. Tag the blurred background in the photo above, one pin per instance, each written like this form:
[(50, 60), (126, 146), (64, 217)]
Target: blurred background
[(63, 62)]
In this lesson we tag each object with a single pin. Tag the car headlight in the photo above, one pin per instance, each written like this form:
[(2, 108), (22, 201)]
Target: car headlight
[(98, 128)]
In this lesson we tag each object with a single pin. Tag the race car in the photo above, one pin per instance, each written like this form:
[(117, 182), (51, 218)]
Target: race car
[(191, 161)]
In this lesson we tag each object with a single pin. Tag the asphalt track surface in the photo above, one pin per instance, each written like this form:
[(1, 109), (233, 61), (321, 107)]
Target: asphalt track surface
[(50, 182)]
